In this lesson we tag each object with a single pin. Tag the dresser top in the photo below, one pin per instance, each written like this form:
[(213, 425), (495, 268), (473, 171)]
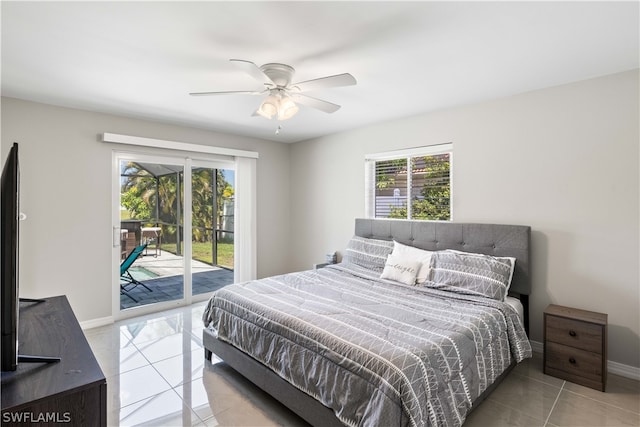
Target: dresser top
[(577, 314), (49, 328)]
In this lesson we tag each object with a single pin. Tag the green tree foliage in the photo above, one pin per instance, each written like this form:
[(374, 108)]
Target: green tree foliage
[(435, 194), (387, 170), (204, 216), (140, 190)]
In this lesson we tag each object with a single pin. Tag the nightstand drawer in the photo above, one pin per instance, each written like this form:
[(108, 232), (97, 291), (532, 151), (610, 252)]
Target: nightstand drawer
[(574, 361), (574, 333)]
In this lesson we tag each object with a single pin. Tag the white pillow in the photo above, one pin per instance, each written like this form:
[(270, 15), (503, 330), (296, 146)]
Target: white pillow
[(414, 254), (400, 270)]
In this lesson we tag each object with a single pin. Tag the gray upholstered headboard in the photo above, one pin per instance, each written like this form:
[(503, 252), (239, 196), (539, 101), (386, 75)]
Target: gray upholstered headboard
[(490, 239)]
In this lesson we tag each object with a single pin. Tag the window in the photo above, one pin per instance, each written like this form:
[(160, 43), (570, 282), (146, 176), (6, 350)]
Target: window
[(410, 184)]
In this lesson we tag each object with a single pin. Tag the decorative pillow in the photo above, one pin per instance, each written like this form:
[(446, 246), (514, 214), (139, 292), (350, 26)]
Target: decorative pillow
[(411, 253), (368, 253), (401, 270), (511, 260), (470, 273)]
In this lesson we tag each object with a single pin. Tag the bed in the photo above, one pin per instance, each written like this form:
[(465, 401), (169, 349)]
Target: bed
[(342, 346)]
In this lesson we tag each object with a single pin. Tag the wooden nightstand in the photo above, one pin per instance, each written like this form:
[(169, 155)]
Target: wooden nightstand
[(575, 345)]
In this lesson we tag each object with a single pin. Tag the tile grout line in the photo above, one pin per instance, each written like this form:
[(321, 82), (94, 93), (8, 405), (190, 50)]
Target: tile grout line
[(602, 402), (554, 404), (182, 384), (150, 364)]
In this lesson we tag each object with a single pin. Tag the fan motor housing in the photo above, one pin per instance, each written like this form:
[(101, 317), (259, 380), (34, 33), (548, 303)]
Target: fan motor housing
[(280, 74)]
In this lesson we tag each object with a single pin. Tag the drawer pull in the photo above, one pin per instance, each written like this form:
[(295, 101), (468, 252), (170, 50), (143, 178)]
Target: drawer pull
[(572, 360), (572, 333)]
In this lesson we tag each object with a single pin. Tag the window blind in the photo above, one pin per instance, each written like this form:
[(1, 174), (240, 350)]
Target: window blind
[(410, 184)]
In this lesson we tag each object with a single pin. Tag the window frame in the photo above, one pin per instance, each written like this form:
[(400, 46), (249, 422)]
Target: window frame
[(370, 176)]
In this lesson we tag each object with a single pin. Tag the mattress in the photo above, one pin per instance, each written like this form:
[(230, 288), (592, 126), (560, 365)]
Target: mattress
[(375, 351), (517, 306)]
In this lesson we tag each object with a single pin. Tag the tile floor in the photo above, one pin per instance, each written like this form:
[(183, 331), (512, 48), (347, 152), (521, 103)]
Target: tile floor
[(157, 376)]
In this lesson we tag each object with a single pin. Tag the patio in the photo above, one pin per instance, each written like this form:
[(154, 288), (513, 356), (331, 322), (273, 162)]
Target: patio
[(152, 212), (163, 274)]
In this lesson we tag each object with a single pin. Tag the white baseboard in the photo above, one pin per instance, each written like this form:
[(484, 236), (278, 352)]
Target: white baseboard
[(626, 371), (94, 323)]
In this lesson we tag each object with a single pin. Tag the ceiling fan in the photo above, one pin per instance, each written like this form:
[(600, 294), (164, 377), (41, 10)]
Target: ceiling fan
[(282, 94)]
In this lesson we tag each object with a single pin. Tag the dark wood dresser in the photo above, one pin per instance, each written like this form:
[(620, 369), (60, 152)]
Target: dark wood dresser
[(575, 345), (70, 392)]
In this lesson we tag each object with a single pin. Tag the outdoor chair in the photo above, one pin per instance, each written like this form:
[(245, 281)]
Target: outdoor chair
[(127, 281)]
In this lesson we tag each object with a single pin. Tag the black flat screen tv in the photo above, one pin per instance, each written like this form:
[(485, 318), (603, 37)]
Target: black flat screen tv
[(10, 301), (9, 246)]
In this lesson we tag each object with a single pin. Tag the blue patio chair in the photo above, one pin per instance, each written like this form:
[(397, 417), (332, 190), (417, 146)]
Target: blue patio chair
[(127, 281)]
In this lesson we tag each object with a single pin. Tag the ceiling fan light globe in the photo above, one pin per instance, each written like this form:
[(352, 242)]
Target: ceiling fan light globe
[(287, 109), (269, 107), (263, 114)]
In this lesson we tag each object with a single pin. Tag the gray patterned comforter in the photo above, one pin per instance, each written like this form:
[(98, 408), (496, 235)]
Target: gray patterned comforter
[(377, 352)]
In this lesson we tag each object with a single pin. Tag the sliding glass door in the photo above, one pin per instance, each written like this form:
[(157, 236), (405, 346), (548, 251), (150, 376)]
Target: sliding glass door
[(174, 228), (152, 213), (212, 190)]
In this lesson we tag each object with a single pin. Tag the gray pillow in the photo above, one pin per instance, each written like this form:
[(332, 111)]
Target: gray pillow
[(368, 253), (469, 273)]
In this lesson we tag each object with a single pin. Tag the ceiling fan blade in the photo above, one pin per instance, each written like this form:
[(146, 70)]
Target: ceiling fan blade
[(316, 103), (345, 79), (232, 92), (254, 71), (255, 111)]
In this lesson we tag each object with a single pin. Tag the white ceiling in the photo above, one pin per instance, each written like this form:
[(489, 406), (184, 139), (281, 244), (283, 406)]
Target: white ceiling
[(141, 59)]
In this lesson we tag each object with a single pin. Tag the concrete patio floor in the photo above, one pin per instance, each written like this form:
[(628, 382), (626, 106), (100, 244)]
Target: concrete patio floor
[(168, 285)]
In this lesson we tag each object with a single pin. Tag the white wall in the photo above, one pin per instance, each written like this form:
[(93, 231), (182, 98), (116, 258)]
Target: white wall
[(563, 160), (66, 193)]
